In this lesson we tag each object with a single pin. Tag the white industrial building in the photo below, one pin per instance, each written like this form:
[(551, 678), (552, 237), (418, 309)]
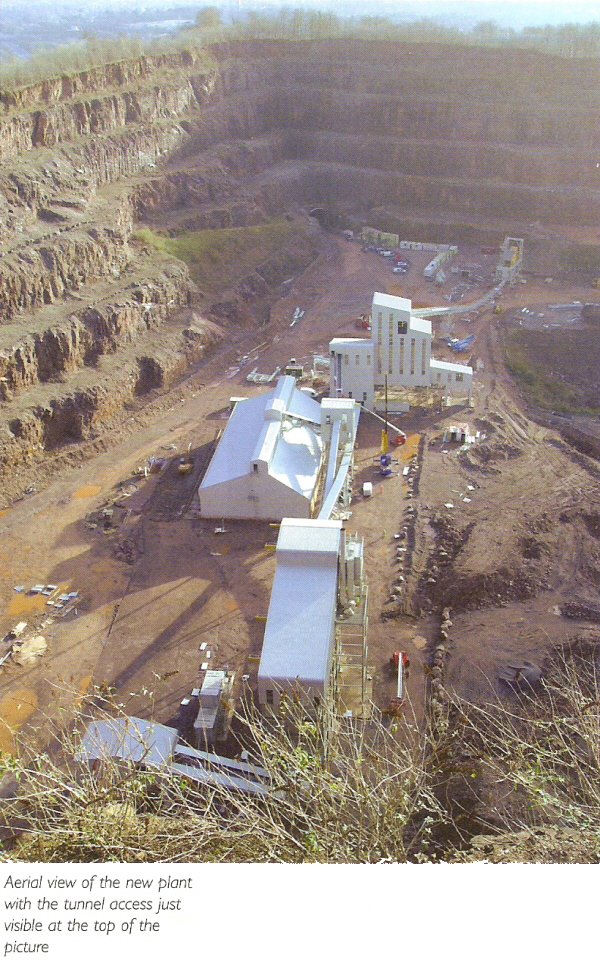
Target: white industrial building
[(281, 454), (399, 349), (317, 577), (267, 462), (299, 642)]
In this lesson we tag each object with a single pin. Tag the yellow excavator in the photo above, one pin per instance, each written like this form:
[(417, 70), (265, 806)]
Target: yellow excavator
[(185, 463)]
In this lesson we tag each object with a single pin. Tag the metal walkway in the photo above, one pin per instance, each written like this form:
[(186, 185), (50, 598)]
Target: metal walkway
[(460, 308)]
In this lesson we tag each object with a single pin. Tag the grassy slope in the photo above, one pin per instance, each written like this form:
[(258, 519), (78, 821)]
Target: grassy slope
[(217, 258), (558, 370)]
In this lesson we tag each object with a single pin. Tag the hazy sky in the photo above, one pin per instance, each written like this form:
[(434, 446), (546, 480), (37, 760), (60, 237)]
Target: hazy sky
[(561, 8)]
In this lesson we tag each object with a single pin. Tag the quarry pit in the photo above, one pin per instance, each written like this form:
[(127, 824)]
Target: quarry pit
[(156, 238)]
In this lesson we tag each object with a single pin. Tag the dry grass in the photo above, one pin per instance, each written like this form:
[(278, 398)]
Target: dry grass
[(534, 761), (370, 800), (509, 770)]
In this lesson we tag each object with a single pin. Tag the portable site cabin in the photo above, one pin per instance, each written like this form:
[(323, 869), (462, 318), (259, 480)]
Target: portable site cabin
[(267, 462), (300, 633)]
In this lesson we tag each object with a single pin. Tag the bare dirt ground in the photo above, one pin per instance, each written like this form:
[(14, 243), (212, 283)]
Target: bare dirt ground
[(156, 582)]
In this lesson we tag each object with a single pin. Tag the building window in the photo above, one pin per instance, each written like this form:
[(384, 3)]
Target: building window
[(459, 377), (424, 356), (402, 327), (439, 378), (358, 358), (390, 350), (368, 360), (255, 466), (346, 359), (401, 364), (379, 320), (269, 696), (391, 327), (412, 355)]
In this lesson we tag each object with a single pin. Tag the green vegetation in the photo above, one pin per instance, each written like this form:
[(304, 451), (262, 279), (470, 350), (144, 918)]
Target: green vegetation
[(566, 40), (558, 370), (67, 59), (94, 52), (582, 258), (217, 258)]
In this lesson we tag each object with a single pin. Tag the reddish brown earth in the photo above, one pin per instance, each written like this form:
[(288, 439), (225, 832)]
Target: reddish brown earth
[(163, 582)]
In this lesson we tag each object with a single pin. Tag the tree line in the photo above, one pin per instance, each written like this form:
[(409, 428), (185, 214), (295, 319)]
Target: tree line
[(565, 40)]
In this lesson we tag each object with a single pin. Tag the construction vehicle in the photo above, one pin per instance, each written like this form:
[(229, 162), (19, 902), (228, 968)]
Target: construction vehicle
[(362, 322), (185, 462), (458, 346), (498, 308), (385, 463)]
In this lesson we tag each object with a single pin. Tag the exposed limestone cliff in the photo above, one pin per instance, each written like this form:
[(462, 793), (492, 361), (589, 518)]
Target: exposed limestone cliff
[(232, 137)]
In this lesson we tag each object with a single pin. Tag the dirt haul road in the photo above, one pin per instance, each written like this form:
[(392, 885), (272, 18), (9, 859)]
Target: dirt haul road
[(154, 582)]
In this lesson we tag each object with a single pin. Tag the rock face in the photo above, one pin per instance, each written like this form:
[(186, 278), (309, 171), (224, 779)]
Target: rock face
[(436, 141)]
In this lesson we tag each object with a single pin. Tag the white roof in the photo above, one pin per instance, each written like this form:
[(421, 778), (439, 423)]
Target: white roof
[(302, 610), (258, 429), (212, 687), (308, 541), (353, 341), (450, 366), (420, 324), (394, 303), (296, 459), (129, 739)]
